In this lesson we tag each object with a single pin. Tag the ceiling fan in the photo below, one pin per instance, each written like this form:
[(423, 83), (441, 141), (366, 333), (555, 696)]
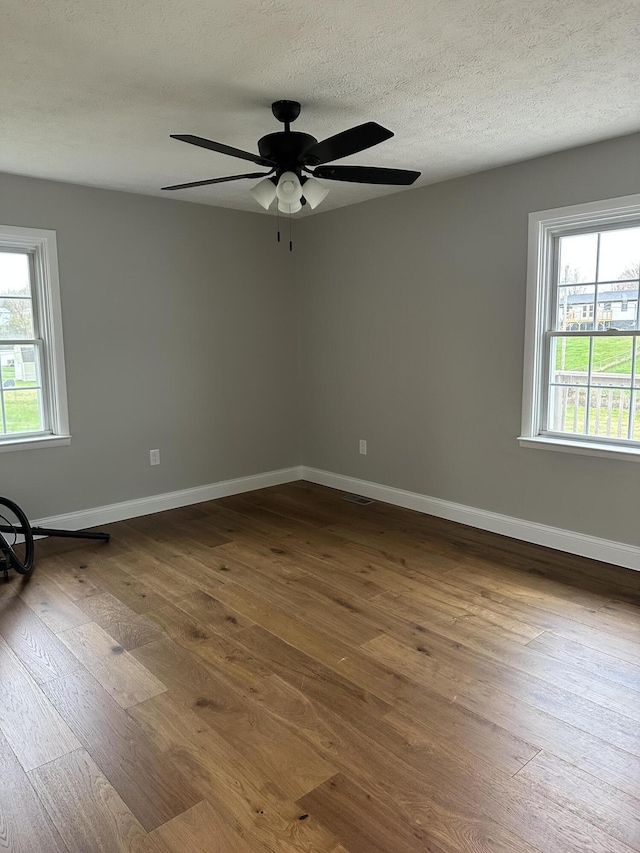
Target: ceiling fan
[(296, 160)]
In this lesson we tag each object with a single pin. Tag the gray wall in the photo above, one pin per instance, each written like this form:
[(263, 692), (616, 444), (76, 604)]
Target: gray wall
[(179, 332), (412, 315)]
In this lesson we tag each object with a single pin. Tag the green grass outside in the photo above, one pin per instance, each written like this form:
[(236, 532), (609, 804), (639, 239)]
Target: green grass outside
[(20, 407), (610, 355)]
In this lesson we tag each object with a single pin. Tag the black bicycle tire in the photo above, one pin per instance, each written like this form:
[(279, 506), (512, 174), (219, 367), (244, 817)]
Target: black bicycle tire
[(23, 568)]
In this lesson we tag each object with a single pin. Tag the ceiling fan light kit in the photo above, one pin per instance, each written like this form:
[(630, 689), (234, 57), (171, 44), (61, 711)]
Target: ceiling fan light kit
[(264, 192), (314, 192), (289, 189), (296, 160)]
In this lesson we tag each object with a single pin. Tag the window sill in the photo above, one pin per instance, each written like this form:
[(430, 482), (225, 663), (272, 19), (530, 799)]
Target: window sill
[(34, 442), (585, 448)]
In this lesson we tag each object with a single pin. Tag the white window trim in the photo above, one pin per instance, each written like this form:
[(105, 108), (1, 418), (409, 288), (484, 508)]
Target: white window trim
[(42, 244), (544, 227)]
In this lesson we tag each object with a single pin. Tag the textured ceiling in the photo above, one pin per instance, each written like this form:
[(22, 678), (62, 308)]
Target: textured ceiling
[(92, 89)]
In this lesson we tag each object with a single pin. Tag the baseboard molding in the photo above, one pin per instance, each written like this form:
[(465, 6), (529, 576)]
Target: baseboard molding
[(618, 553), (171, 500)]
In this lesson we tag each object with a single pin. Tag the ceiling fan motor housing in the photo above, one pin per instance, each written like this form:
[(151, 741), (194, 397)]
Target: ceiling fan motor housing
[(284, 148)]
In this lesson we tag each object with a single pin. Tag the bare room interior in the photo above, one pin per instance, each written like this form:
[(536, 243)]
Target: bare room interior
[(320, 427)]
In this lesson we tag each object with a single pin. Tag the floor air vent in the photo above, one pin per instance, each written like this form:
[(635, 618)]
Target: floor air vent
[(358, 499)]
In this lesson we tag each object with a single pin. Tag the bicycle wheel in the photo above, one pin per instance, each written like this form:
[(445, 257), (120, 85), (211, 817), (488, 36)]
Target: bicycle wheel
[(13, 524)]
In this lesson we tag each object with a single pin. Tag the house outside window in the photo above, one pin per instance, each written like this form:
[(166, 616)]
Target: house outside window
[(33, 398), (582, 354)]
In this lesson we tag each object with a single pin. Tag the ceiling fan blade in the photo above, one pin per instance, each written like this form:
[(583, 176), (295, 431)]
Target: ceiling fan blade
[(348, 142), (367, 175), (216, 181), (222, 149)]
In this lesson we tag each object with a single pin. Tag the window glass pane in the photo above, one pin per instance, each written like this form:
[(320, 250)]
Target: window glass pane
[(617, 306), (19, 366), (619, 254), (15, 274), (575, 308), (577, 261), (23, 411), (635, 414), (16, 318), (609, 412), (570, 361), (7, 366), (611, 361), (567, 409), (636, 376)]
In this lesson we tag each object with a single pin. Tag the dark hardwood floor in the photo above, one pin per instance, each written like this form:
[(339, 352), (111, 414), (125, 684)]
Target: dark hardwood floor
[(285, 671)]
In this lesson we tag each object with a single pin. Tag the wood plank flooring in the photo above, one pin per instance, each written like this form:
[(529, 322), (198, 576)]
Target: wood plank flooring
[(286, 672)]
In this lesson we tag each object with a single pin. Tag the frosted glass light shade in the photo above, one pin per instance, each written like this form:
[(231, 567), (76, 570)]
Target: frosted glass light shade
[(264, 192), (314, 192), (289, 208), (289, 188)]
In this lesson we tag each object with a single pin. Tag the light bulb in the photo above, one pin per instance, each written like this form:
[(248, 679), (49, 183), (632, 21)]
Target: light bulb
[(289, 188), (314, 192)]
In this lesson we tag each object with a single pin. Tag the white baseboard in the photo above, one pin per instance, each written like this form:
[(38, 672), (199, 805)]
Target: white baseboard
[(171, 500), (618, 553)]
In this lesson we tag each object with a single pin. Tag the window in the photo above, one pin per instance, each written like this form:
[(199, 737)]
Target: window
[(582, 350), (33, 399)]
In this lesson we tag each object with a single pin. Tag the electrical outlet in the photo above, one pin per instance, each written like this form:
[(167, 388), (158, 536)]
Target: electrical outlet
[(154, 457), (363, 446)]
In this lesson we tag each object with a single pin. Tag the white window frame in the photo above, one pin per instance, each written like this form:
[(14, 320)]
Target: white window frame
[(544, 227), (45, 288)]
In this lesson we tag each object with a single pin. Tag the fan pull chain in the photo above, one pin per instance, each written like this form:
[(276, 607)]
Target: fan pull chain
[(290, 230)]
